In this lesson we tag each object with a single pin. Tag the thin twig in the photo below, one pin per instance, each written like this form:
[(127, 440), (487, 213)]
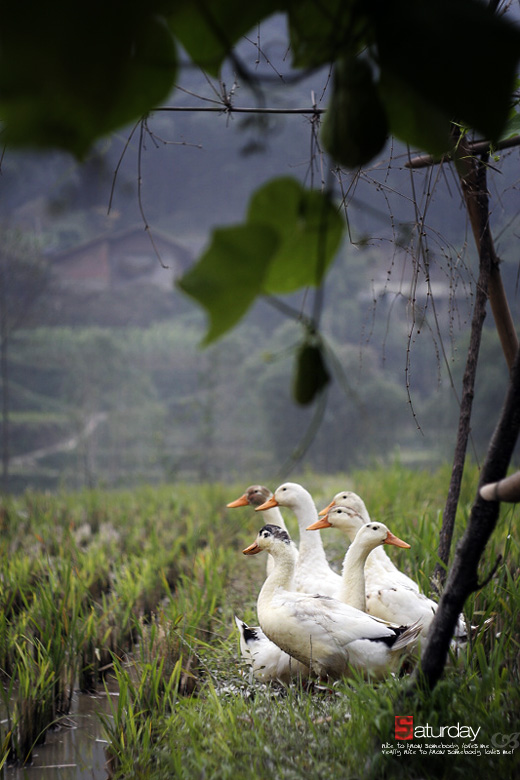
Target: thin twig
[(139, 193), (119, 163)]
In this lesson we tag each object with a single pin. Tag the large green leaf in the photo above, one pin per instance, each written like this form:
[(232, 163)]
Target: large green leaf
[(288, 241), (69, 75), (455, 53), (309, 228), (208, 29), (512, 127), (322, 31), (230, 274), (412, 118)]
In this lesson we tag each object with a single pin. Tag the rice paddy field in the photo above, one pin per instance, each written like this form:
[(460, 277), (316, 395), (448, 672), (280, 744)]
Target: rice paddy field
[(132, 596)]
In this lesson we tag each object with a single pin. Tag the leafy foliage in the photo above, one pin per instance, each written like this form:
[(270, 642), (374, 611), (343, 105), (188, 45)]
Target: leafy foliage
[(67, 79), (417, 42), (408, 68), (288, 241), (229, 275), (208, 29)]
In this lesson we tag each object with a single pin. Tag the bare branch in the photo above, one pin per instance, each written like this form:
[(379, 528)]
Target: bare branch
[(474, 148), (139, 192), (507, 489)]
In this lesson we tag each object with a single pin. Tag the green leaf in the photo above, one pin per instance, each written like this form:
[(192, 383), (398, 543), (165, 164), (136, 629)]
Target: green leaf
[(208, 29), (309, 229), (456, 53), (512, 127), (149, 75), (70, 75), (320, 32), (288, 241), (230, 274), (412, 118)]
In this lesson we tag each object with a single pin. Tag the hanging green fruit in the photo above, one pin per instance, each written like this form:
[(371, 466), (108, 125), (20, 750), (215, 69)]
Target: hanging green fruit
[(311, 374), (355, 126)]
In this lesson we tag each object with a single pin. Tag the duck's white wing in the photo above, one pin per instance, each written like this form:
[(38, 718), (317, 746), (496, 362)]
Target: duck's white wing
[(326, 619), (401, 606), (332, 637), (404, 606), (379, 566), (379, 563)]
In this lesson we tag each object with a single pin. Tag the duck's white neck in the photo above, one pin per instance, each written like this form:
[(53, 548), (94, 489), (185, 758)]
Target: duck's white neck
[(310, 541), (272, 516), (282, 572), (353, 576), (377, 554)]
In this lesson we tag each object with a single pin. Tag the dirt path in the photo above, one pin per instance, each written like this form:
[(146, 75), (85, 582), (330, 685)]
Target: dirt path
[(66, 445)]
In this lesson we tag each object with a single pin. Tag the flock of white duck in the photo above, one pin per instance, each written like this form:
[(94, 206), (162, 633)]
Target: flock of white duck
[(315, 622)]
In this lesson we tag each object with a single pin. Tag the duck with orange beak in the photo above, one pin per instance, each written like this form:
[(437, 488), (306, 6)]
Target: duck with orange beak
[(385, 595)]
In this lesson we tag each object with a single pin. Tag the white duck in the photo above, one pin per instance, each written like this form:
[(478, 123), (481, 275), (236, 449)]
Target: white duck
[(378, 559), (320, 631), (312, 573), (268, 663), (368, 538), (386, 597)]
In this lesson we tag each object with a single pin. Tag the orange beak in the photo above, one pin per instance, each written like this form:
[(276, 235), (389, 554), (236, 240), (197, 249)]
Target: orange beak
[(242, 501), (322, 522), (269, 504), (253, 549), (326, 510), (391, 539)]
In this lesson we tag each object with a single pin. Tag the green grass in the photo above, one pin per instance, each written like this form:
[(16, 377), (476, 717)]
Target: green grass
[(138, 589)]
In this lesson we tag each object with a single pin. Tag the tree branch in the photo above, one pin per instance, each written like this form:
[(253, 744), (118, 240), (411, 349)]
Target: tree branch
[(476, 199), (472, 174), (507, 489), (474, 148), (464, 427), (463, 575)]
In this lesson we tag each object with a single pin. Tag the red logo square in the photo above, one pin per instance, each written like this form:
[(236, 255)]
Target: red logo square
[(404, 727)]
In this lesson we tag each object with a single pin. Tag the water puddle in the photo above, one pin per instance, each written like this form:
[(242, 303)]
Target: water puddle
[(74, 751)]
